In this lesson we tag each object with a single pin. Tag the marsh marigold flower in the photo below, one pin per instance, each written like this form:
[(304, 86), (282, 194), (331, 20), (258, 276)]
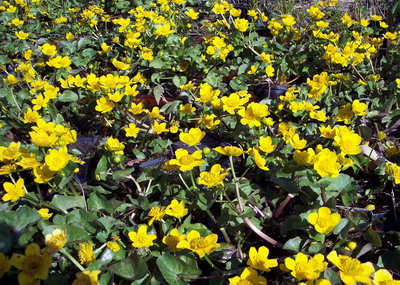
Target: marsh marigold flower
[(87, 278), (48, 49), (185, 161), (214, 177), (176, 209), (44, 212), (57, 159), (199, 245), (248, 276), (351, 269), (55, 240), (193, 137), (13, 191), (381, 277), (229, 150), (207, 94), (113, 245), (156, 213), (253, 114), (33, 265), (173, 239), (326, 163), (114, 145), (258, 159), (303, 268), (258, 259), (348, 141), (266, 144), (141, 238), (359, 108), (241, 25), (85, 253), (323, 221), (132, 130), (4, 264)]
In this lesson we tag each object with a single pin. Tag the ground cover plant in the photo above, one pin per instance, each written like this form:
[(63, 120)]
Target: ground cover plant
[(196, 142)]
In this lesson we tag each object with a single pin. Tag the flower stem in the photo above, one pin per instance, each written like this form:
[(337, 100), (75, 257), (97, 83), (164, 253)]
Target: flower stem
[(223, 231), (237, 185), (73, 260), (192, 179), (212, 264)]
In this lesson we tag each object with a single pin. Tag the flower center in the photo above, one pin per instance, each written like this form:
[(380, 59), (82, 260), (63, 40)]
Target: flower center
[(32, 264), (198, 243), (186, 160)]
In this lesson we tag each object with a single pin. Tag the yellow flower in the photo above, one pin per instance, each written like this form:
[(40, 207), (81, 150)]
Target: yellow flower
[(85, 253), (208, 121), (114, 145), (43, 174), (48, 49), (173, 239), (59, 62), (104, 105), (156, 213), (164, 30), (136, 109), (345, 114), (359, 108), (57, 159), (270, 70), (199, 245), (69, 36), (192, 14), (233, 103), (258, 159), (398, 82), (44, 212), (214, 177), (4, 264), (348, 141), (155, 113), (185, 161), (87, 278), (55, 241), (304, 157), (193, 137), (315, 12), (327, 132), (298, 143), (33, 264), (381, 277), (241, 25), (253, 114), (259, 259), (120, 65), (267, 58), (113, 245), (13, 191), (351, 269), (323, 221), (319, 115), (187, 108), (159, 128), (207, 94), (176, 209), (249, 276), (304, 268), (132, 130), (229, 150), (22, 35), (11, 152), (326, 163), (288, 20), (141, 238)]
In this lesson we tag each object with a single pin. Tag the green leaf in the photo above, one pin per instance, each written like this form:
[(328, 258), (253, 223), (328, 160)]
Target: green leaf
[(132, 268), (121, 174), (19, 219), (68, 96), (4, 59), (175, 270), (63, 203), (294, 244), (179, 80), (101, 168), (342, 228), (98, 202), (158, 91), (156, 63), (372, 236)]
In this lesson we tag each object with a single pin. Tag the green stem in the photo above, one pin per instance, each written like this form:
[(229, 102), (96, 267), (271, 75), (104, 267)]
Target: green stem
[(184, 182), (223, 231), (192, 179), (236, 184), (73, 260), (71, 185), (324, 196), (212, 264)]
